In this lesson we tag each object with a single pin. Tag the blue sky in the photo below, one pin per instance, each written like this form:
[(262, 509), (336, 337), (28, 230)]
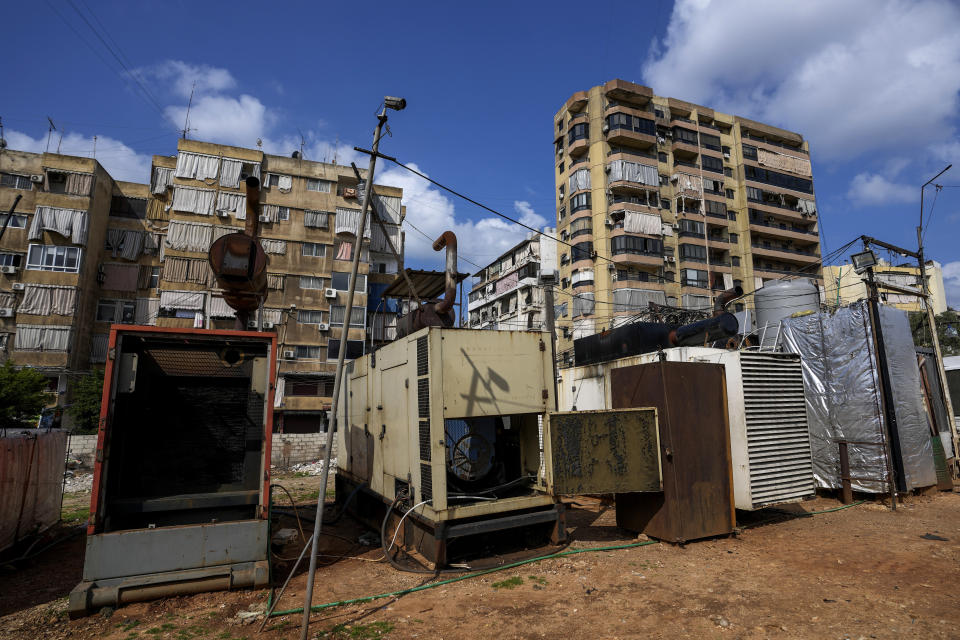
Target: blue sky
[(873, 84)]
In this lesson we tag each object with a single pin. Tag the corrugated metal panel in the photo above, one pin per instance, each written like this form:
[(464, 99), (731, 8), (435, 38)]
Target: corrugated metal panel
[(778, 441), (31, 479)]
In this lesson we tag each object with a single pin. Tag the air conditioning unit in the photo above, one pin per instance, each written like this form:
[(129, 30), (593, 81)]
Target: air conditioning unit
[(36, 178), (726, 156), (661, 140), (252, 324), (8, 268), (350, 193), (290, 355), (223, 213), (605, 128), (608, 222), (264, 218), (607, 168), (6, 313), (611, 267), (669, 259), (19, 286), (330, 293), (268, 325), (675, 227), (323, 326)]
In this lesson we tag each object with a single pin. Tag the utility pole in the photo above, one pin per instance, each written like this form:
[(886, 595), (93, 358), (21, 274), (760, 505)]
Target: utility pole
[(893, 454), (547, 281), (389, 103), (935, 339)]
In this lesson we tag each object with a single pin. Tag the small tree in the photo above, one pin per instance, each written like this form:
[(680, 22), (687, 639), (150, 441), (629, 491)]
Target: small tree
[(948, 331), (85, 408), (22, 396)]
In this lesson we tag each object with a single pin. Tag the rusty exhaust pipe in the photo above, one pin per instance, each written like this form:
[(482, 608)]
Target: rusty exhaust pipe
[(253, 207), (719, 305), (449, 240)]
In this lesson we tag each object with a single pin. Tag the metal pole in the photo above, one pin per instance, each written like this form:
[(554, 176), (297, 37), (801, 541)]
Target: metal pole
[(6, 222), (547, 283), (846, 491), (357, 245), (934, 338), (887, 394)]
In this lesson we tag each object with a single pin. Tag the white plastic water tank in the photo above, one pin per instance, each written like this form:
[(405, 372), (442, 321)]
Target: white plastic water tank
[(781, 299)]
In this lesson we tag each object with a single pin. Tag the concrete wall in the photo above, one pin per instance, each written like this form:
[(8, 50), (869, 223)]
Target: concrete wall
[(288, 449)]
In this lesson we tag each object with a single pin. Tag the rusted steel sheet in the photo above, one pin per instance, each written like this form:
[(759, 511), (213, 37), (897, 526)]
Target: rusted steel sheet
[(31, 482), (603, 451), (697, 497)]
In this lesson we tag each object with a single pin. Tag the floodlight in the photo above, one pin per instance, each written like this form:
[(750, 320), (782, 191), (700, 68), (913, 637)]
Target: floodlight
[(863, 261), (392, 102)]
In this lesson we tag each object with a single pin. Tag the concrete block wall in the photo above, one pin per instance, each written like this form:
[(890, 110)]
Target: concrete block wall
[(288, 449), (294, 448), (82, 449)]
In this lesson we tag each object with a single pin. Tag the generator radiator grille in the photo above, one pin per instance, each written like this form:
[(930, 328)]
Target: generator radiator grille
[(422, 356), (424, 437), (423, 398), (778, 442), (426, 482)]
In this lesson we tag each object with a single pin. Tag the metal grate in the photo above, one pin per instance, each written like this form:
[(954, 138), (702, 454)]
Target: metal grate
[(422, 356), (423, 397), (778, 442), (426, 482), (424, 437)]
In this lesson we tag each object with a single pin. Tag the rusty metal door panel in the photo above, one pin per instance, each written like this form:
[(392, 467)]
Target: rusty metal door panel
[(602, 451), (697, 498), (140, 551)]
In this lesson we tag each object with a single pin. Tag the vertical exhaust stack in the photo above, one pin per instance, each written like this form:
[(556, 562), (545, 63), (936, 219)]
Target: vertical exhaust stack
[(253, 207), (449, 240), (436, 314)]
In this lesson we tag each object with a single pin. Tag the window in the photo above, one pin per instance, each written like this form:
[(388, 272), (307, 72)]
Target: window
[(712, 164), (15, 182), (311, 282), (560, 310), (581, 226), (729, 193), (124, 207), (693, 278), (684, 135), (274, 180), (320, 186), (581, 251), (691, 229), (693, 253), (338, 311), (710, 142), (734, 238), (735, 261), (754, 194), (579, 202), (714, 207), (636, 246), (354, 349), (727, 171), (630, 123), (664, 204), (314, 249), (749, 152), (283, 213), (341, 281), (154, 278), (10, 259), (305, 316), (726, 150), (303, 387), (117, 311), (16, 222), (579, 132), (661, 156), (778, 179), (308, 352), (53, 258)]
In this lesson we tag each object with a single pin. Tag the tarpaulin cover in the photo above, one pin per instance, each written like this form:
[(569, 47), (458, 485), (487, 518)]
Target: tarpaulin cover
[(844, 398), (31, 481)]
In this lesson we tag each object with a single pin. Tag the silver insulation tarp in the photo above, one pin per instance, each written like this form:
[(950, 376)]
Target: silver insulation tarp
[(844, 396)]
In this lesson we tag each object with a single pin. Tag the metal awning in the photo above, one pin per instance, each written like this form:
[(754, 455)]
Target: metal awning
[(428, 284)]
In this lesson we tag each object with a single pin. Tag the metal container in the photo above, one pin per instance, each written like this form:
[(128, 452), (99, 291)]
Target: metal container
[(697, 497), (182, 472), (780, 299)]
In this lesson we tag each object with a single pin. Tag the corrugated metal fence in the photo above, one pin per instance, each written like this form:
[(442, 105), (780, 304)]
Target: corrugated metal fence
[(31, 481)]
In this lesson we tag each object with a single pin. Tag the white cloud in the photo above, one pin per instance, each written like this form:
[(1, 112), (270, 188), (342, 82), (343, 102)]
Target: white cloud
[(224, 119), (432, 212), (874, 189), (851, 76), (182, 77), (951, 282), (120, 161)]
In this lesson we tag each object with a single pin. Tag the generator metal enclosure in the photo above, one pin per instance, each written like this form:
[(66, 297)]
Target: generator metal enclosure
[(181, 478), (769, 436), (392, 419)]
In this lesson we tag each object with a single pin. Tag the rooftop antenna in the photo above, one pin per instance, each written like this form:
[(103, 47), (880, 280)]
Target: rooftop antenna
[(335, 145), (186, 120), (52, 128), (260, 143), (3, 141), (94, 147), (60, 141), (302, 142)]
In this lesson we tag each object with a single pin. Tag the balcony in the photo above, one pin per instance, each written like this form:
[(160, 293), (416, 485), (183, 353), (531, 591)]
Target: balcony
[(683, 149), (629, 137), (768, 250), (782, 210), (776, 272), (623, 91), (577, 101), (578, 146)]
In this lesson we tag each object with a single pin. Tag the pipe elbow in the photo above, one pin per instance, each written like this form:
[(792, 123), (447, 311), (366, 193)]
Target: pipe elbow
[(446, 239)]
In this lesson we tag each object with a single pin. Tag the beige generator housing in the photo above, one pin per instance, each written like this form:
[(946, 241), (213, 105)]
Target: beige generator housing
[(455, 422)]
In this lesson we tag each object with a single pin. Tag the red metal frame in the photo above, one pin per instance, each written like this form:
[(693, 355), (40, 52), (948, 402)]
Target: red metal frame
[(108, 391)]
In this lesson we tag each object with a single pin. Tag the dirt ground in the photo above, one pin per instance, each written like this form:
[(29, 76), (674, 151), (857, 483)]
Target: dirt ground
[(862, 572)]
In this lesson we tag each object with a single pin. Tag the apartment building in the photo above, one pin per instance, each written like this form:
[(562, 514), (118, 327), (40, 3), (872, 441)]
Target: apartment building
[(669, 202), (102, 252), (506, 294), (842, 285)]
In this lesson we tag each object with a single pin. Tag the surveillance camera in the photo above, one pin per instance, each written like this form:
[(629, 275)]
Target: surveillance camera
[(392, 102)]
